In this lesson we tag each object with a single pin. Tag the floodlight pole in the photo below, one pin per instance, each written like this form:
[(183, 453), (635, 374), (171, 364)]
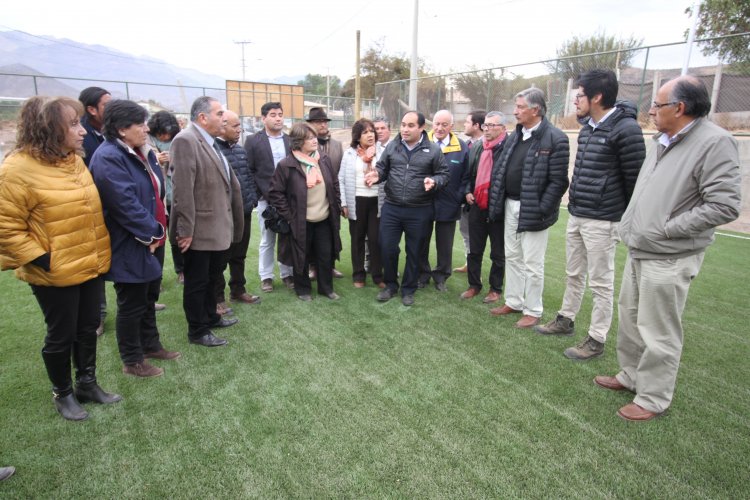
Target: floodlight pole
[(413, 72), (691, 36)]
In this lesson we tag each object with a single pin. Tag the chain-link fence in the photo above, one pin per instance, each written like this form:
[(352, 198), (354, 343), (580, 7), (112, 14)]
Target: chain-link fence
[(16, 88), (641, 71)]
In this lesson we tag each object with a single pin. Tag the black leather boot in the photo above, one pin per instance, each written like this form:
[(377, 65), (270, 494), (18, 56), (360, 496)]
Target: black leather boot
[(58, 370), (87, 390)]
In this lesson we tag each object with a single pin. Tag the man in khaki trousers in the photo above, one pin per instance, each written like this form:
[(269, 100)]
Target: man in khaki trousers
[(688, 185), (610, 154)]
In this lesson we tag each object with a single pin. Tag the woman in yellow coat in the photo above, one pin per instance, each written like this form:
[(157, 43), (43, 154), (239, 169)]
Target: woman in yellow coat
[(52, 233)]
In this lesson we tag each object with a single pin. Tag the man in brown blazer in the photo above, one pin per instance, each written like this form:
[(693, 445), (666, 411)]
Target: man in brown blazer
[(207, 216)]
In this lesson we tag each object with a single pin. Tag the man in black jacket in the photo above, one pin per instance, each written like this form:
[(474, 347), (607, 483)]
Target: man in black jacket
[(237, 253), (414, 168), (527, 187), (610, 153)]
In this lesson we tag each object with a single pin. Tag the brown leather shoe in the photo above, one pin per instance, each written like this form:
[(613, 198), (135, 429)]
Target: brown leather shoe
[(503, 310), (634, 413), (245, 298), (143, 370), (162, 354), (491, 297), (267, 285), (610, 383), (337, 273), (470, 293), (527, 321), (289, 282), (359, 284), (381, 285), (222, 308), (462, 269)]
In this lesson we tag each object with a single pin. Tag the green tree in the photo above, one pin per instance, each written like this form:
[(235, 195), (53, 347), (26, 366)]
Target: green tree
[(725, 17), (316, 84), (619, 54)]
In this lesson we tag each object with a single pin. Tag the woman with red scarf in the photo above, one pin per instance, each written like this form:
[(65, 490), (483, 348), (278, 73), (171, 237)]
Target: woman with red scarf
[(305, 192), (361, 203), (131, 186)]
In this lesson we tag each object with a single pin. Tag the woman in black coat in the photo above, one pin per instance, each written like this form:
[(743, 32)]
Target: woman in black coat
[(305, 192)]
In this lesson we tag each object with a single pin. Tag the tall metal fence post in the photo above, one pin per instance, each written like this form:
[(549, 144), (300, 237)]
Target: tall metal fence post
[(643, 80), (36, 89), (127, 90), (489, 89)]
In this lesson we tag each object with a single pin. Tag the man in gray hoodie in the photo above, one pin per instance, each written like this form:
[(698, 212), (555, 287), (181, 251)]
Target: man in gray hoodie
[(688, 185)]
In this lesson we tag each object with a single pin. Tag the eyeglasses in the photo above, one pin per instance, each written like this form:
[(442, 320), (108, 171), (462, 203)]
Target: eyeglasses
[(580, 96), (656, 105), (488, 126)]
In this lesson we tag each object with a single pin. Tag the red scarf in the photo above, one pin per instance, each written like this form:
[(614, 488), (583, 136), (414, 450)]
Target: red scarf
[(366, 155), (161, 212), (484, 172)]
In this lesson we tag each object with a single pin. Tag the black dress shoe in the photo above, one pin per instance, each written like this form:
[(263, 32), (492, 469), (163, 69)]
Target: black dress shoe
[(208, 340), (225, 322)]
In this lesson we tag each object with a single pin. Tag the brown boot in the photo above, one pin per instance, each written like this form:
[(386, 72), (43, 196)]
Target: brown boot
[(142, 369)]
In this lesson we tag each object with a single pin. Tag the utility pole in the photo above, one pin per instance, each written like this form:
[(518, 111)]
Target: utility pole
[(357, 97), (242, 44), (413, 73)]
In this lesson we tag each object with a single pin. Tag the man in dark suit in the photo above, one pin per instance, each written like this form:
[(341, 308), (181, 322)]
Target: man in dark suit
[(264, 151), (207, 216)]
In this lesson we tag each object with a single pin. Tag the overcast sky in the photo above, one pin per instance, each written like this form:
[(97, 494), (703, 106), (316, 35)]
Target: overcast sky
[(296, 38)]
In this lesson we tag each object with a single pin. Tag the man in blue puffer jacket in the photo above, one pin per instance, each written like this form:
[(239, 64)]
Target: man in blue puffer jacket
[(237, 158), (610, 154)]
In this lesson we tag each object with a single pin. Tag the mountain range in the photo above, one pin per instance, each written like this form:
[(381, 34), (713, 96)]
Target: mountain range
[(65, 67)]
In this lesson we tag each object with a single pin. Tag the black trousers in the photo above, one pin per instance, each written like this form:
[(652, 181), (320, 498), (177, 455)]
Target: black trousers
[(413, 223), (177, 258), (480, 228), (71, 314), (366, 228), (318, 245), (236, 255), (199, 293), (136, 328), (445, 231)]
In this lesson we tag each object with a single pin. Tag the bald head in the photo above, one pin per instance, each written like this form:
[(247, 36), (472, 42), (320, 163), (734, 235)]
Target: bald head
[(232, 127)]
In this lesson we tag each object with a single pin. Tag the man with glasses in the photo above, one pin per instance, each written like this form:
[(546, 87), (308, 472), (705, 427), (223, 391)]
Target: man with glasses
[(527, 187), (447, 203), (609, 157), (484, 155), (688, 185)]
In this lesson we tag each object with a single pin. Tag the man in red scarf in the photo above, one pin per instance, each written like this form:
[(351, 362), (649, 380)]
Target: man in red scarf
[(484, 154)]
